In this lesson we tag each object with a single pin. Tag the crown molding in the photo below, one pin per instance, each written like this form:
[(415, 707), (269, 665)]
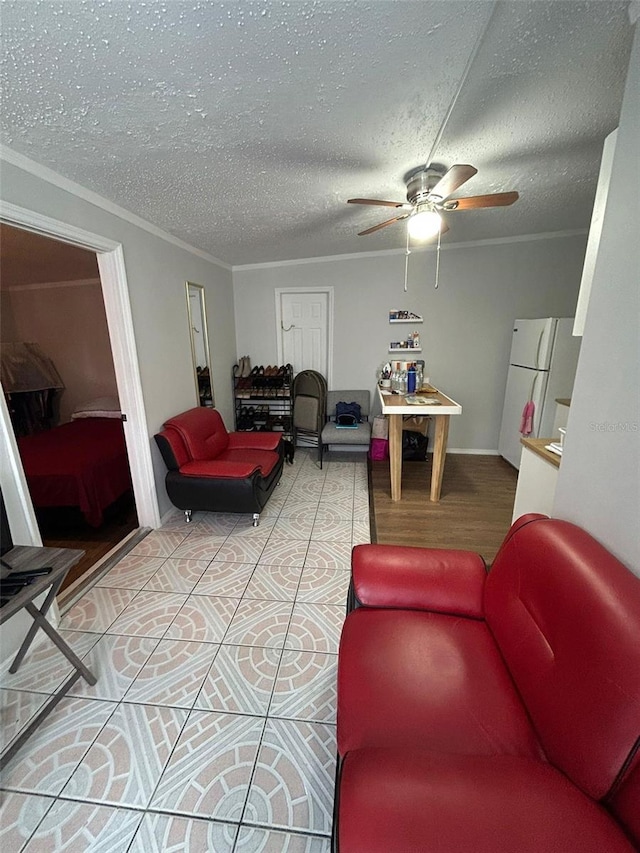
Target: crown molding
[(8, 155), (50, 285)]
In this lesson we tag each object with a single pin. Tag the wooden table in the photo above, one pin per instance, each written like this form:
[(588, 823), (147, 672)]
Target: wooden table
[(395, 406), (26, 558)]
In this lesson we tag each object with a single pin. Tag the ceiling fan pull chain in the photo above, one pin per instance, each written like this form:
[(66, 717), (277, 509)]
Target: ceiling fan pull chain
[(406, 264), (437, 262)]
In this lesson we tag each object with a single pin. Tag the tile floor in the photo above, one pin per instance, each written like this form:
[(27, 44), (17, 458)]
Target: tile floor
[(212, 725)]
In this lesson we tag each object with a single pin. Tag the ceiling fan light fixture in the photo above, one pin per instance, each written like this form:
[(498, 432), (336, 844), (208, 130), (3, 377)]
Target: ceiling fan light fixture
[(424, 224)]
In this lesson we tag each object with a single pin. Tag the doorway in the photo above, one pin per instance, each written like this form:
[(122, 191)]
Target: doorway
[(52, 298), (115, 292), (304, 319)]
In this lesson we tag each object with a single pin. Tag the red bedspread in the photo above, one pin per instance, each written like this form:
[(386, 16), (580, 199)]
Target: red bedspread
[(83, 463)]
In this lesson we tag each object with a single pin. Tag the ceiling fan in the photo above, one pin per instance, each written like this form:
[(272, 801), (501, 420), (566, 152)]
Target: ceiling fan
[(428, 191)]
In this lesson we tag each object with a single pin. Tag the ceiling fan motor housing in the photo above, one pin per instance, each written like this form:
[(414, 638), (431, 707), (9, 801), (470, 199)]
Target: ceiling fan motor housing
[(421, 183)]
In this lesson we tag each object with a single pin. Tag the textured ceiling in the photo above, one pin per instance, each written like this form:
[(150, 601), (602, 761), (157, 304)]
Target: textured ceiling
[(243, 127)]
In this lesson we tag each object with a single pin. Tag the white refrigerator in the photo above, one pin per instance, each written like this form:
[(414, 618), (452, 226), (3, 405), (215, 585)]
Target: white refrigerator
[(542, 367)]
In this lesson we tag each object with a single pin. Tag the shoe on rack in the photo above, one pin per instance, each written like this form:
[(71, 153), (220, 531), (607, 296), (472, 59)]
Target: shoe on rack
[(246, 368), (237, 369)]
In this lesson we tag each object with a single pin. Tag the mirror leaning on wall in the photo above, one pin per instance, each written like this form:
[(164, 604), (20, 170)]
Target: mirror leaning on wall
[(198, 335)]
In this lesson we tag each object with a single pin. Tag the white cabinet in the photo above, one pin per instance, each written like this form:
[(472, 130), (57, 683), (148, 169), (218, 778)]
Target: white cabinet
[(537, 478)]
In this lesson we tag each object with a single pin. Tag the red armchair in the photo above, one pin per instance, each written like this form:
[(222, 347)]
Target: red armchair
[(215, 470), (490, 712)]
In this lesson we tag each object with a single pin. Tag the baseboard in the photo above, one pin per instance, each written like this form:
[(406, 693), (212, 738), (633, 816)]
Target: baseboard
[(471, 451)]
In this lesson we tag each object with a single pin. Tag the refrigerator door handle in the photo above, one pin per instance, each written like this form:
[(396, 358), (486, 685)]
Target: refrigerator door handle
[(538, 350)]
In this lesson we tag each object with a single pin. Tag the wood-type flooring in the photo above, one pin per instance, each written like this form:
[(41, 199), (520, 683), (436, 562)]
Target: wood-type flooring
[(474, 511), (66, 528)]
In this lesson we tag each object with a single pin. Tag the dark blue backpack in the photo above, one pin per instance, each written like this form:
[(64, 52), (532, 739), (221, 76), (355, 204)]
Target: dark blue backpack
[(347, 414)]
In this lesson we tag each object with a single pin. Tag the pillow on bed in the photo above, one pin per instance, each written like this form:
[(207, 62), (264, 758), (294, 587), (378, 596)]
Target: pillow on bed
[(102, 407)]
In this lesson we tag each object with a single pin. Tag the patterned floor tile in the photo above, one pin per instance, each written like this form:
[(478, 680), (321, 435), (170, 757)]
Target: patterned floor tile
[(239, 550), (173, 674), (177, 575), (209, 772), (330, 514), (149, 614), (337, 490), (125, 762), (286, 552), (228, 579), (115, 661), (20, 814), (295, 526), (361, 505), (329, 555), (201, 547), (276, 659), (252, 839), (315, 627), (17, 707), (167, 834), (47, 760), (97, 609), (292, 787), (259, 623), (240, 680), (277, 583), (294, 505), (160, 543), (132, 572), (323, 586), (305, 688), (215, 524), (328, 526), (45, 667), (361, 534), (82, 827), (342, 508), (204, 618), (297, 509), (306, 490)]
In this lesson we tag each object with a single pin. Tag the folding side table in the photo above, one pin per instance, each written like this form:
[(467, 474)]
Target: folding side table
[(23, 558)]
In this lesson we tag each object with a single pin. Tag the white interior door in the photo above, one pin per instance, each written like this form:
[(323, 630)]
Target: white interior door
[(304, 334)]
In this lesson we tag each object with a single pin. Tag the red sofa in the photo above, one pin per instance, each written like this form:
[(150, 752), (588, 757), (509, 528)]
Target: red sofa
[(215, 470), (485, 713)]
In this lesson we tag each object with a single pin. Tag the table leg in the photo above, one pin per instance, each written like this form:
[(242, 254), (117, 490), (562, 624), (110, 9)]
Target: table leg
[(395, 455), (439, 453), (26, 643)]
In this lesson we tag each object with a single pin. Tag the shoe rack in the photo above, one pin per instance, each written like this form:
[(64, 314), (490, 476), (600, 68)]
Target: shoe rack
[(262, 397)]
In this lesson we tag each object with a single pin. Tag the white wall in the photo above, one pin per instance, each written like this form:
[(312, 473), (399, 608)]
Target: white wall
[(156, 272), (599, 479), (466, 334)]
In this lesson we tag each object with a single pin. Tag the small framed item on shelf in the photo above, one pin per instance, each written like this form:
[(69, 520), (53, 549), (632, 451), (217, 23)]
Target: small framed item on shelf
[(401, 316)]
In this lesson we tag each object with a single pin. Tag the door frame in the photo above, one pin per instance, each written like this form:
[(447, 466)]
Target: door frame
[(115, 293), (279, 325)]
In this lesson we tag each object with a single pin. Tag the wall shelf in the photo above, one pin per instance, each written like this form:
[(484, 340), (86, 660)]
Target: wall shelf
[(405, 349), (414, 320)]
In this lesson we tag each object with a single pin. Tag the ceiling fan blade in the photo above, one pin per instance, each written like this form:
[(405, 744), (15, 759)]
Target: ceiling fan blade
[(382, 225), (476, 201), (451, 180), (379, 201)]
